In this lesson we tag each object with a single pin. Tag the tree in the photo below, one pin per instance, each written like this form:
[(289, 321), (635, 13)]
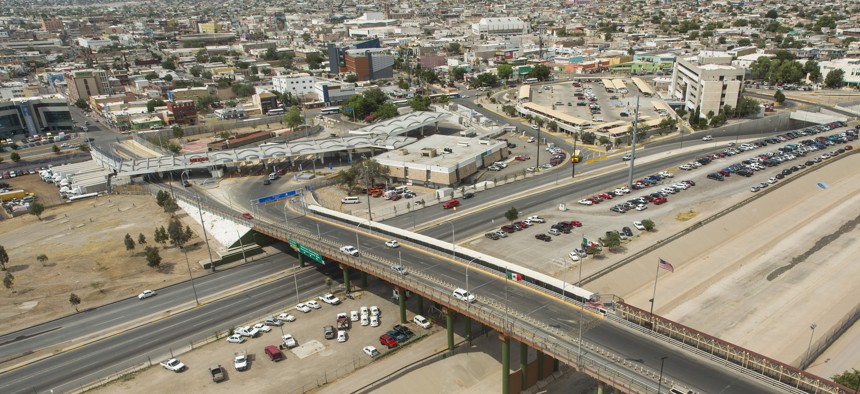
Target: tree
[(4, 258), (420, 103), (314, 60), (505, 71), (168, 77), (153, 258), (151, 76), (850, 379), (55, 148), (744, 42), (834, 79), (351, 78), (15, 157), (403, 84), (541, 72), (168, 64), (161, 197), (612, 240), (747, 106), (328, 283), (152, 104), (294, 118), (42, 258), (387, 111), (75, 301), (206, 74), (364, 172), (512, 214), (589, 138), (129, 242), (176, 234), (170, 206), (160, 235), (8, 280), (81, 103), (202, 56), (36, 209), (178, 132), (141, 239), (188, 233), (772, 14), (453, 48), (457, 73), (779, 97), (649, 225), (243, 89)]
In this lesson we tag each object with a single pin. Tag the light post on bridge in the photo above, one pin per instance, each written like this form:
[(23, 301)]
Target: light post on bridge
[(660, 381)]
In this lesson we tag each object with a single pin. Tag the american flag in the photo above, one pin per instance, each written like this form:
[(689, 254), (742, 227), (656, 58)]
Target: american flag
[(665, 265)]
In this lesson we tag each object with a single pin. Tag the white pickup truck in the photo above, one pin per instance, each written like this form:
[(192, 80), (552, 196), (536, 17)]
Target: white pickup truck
[(246, 331), (173, 365), (330, 299)]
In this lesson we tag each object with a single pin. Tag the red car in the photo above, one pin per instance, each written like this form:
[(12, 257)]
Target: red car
[(450, 204), (605, 196), (575, 223), (508, 229), (659, 200), (387, 341), (521, 158), (594, 200), (522, 224), (247, 215)]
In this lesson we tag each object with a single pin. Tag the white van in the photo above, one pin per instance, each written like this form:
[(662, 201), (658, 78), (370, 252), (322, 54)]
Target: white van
[(273, 176), (350, 200)]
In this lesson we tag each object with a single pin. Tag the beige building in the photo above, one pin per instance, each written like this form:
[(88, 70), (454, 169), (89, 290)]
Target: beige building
[(86, 83), (189, 93), (441, 160), (707, 81)]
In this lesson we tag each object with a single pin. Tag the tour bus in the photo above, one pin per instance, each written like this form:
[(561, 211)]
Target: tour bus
[(276, 111), (530, 81), (330, 110)]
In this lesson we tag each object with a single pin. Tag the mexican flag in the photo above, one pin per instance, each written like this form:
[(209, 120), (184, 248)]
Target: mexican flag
[(514, 276), (585, 242)]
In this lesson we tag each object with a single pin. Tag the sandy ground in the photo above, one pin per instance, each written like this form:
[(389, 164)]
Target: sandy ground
[(761, 275), (86, 256)]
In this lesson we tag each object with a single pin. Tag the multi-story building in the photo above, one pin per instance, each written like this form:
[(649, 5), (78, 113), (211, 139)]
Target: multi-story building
[(369, 64), (32, 115), (52, 25), (706, 82), (11, 90), (331, 93), (183, 112), (209, 27), (295, 84), (86, 83), (336, 55), (94, 44), (500, 26), (264, 102)]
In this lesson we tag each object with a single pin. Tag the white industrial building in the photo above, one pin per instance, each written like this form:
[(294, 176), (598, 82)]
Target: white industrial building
[(296, 84), (500, 26), (707, 81), (851, 68)]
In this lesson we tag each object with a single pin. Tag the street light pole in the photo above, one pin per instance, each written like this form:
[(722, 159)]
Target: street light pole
[(581, 307), (187, 264), (296, 282), (660, 382), (809, 347)]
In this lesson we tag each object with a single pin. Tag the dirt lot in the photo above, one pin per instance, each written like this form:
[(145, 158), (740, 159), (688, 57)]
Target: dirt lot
[(86, 256), (48, 193), (314, 362)]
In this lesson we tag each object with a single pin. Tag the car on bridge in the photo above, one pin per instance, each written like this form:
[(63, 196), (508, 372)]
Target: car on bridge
[(350, 250), (392, 244), (463, 295), (399, 269), (247, 215)]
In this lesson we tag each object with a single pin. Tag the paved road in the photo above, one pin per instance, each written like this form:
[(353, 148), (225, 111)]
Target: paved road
[(72, 369)]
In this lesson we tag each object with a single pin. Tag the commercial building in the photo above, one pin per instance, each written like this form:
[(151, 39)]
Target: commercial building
[(500, 26), (295, 84), (11, 90), (441, 160), (331, 93), (188, 94), (52, 25), (93, 44), (182, 112), (336, 55), (85, 83), (33, 115), (369, 64), (209, 27), (265, 102), (706, 82), (850, 67)]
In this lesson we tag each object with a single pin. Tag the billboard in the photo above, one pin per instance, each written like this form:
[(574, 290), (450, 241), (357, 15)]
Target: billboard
[(280, 23)]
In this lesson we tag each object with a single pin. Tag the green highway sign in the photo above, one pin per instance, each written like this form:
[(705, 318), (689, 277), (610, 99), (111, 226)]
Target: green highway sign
[(306, 251)]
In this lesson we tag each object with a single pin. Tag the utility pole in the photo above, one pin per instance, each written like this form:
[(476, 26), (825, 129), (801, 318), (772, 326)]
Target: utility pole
[(633, 151)]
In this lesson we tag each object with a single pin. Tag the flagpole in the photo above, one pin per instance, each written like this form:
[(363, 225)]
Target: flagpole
[(654, 294)]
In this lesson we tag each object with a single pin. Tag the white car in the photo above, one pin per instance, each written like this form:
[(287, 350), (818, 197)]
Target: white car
[(707, 138), (531, 139), (665, 174), (392, 244), (574, 256), (246, 331), (399, 269), (534, 127), (370, 351), (273, 321), (622, 190), (262, 327), (638, 225), (314, 304), (341, 336), (421, 321), (364, 311), (585, 202), (329, 299), (531, 169), (235, 338), (353, 316), (173, 365), (641, 207), (350, 250), (146, 294), (289, 341), (303, 308), (536, 219), (374, 321), (374, 311), (365, 320), (771, 180), (463, 295), (686, 167), (286, 317), (240, 361)]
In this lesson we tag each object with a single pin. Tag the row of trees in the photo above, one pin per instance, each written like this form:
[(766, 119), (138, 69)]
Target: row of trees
[(371, 105)]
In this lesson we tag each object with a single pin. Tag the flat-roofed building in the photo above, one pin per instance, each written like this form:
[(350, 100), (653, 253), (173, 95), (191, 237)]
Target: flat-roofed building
[(706, 82)]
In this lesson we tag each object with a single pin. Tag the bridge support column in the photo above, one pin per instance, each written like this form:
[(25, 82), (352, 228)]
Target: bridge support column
[(363, 280), (301, 260), (346, 285), (540, 365), (524, 359), (555, 365), (469, 329), (506, 363), (420, 304), (401, 298), (600, 387), (449, 319)]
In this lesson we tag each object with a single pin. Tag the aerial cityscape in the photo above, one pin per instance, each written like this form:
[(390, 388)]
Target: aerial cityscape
[(582, 196)]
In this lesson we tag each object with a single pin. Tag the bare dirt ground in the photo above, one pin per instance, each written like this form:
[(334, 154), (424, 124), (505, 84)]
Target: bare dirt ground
[(86, 256)]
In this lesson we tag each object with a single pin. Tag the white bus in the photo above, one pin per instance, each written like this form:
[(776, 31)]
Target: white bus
[(276, 111), (530, 81), (330, 110)]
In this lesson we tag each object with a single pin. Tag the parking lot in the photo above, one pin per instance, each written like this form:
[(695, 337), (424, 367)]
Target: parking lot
[(313, 362), (563, 97)]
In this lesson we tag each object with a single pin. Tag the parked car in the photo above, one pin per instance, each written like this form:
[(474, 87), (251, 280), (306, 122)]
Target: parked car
[(370, 351), (286, 317), (543, 237), (387, 341), (626, 230), (330, 299), (313, 304), (303, 308), (235, 338), (217, 373), (421, 321), (173, 365), (274, 353), (240, 361), (289, 341), (329, 332)]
